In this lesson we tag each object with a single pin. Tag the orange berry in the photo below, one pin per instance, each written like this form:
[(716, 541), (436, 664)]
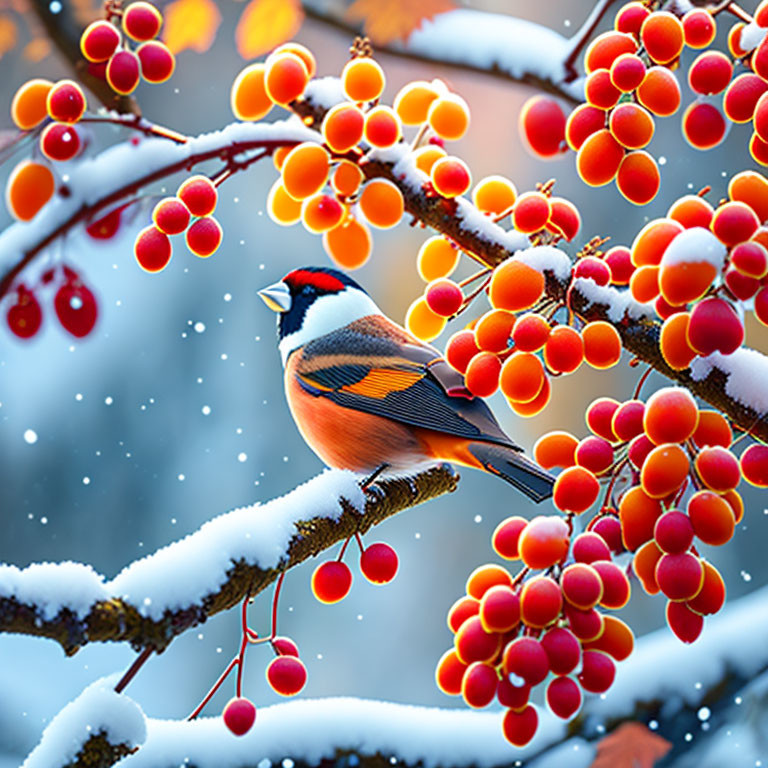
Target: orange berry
[(564, 219), (382, 203), (285, 77), (449, 673), (531, 332), (540, 602), (320, 213), (349, 244), (422, 322), (631, 125), (493, 330), (711, 597), (644, 283), (535, 406), (644, 565), (673, 341), (29, 187), (279, 155), (543, 542), (413, 101), (555, 449), (750, 187), (305, 170), (343, 126), (602, 344), (606, 48), (248, 97), (450, 176), (638, 513), (494, 194), (576, 490), (713, 429), (297, 49), (363, 79), (460, 349), (425, 157), (522, 377), (281, 207), (659, 92), (346, 179), (500, 609), (617, 639), (484, 577), (664, 470), (448, 116), (473, 643), (671, 415), (437, 258), (652, 240), (28, 108), (691, 211), (638, 178), (599, 90), (515, 286), (718, 468), (662, 36), (599, 158)]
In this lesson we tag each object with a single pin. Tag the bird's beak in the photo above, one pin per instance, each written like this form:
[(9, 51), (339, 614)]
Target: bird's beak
[(277, 297)]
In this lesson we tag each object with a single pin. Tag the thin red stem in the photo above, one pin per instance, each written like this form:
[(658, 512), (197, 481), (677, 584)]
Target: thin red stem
[(641, 381), (138, 123), (132, 671), (214, 688), (343, 549)]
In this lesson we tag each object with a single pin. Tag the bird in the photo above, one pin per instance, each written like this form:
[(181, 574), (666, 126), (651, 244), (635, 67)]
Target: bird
[(369, 397)]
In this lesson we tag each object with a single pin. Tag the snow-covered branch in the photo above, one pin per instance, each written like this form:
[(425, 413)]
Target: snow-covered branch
[(477, 41), (663, 681), (239, 553)]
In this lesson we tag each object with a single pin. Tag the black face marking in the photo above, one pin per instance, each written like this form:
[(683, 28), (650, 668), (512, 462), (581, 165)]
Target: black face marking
[(306, 286)]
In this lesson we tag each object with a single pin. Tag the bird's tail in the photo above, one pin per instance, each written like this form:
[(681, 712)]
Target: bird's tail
[(516, 468)]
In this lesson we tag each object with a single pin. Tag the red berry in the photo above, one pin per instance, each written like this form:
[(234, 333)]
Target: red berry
[(444, 297), (152, 249), (199, 194), (59, 141), (171, 216), (25, 316), (284, 646), (597, 672), (157, 61), (204, 237), (563, 697), (378, 562), (66, 101), (239, 715), (287, 675), (520, 727), (331, 581), (123, 72), (99, 41), (141, 21), (76, 308)]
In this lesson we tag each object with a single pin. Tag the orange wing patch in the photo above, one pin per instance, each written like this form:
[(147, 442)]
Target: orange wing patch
[(380, 382)]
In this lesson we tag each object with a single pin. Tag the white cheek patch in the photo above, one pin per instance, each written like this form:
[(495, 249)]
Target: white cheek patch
[(326, 314)]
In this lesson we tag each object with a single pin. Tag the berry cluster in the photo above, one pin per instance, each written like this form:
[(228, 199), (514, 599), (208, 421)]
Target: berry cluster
[(511, 632), (196, 196), (630, 80), (112, 58), (73, 302), (510, 347), (332, 580)]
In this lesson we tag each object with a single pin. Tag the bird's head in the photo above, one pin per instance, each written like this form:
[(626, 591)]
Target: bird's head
[(314, 301)]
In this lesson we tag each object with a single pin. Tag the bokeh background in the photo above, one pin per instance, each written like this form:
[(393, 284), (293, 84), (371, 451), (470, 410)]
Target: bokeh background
[(172, 411)]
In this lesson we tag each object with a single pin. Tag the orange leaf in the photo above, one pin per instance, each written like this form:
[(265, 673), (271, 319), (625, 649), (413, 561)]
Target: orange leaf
[(191, 24), (264, 24), (37, 49), (387, 20), (8, 34), (631, 745)]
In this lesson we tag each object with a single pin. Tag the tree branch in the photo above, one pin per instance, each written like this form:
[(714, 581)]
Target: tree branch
[(499, 45), (128, 610)]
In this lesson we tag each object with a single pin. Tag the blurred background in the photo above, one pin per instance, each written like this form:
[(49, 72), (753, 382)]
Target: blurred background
[(172, 411)]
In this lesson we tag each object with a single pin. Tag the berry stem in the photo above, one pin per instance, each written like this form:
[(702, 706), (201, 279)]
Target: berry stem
[(641, 381), (137, 123), (214, 688), (133, 670), (581, 38)]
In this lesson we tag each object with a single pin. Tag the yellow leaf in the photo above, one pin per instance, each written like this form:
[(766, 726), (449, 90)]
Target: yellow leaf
[(387, 20), (191, 24), (37, 49), (7, 34), (264, 24)]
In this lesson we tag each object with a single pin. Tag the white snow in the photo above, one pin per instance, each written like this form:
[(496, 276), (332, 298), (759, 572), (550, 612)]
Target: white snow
[(547, 258), (53, 586), (746, 371), (695, 246), (98, 709), (95, 178), (325, 91), (751, 36), (184, 572), (487, 228), (620, 303), (311, 730), (494, 41)]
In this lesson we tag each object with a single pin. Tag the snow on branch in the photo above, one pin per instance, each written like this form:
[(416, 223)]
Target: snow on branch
[(663, 679), (98, 728), (478, 41), (239, 553)]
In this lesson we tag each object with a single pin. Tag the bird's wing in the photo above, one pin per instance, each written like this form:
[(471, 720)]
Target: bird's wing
[(375, 366)]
